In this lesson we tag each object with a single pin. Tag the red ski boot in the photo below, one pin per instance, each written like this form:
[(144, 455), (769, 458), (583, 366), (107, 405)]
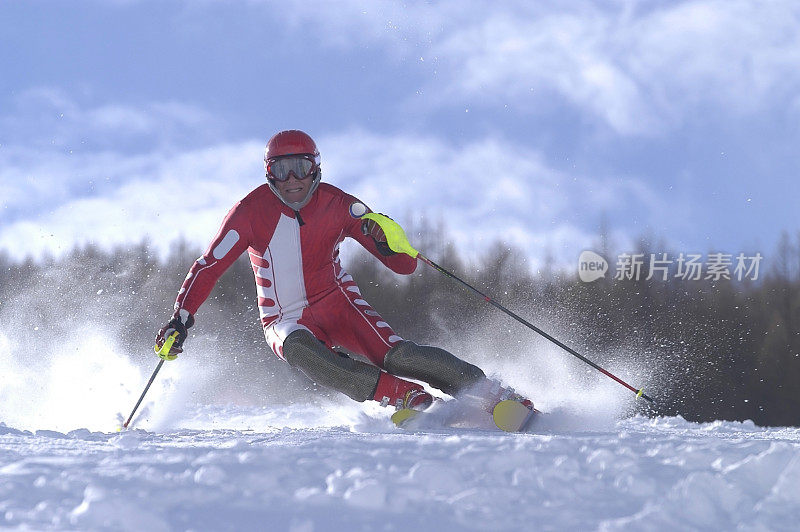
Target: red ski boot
[(490, 392), (401, 393)]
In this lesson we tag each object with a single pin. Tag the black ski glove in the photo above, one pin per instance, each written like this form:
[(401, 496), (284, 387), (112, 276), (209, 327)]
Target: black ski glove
[(180, 322), (371, 229)]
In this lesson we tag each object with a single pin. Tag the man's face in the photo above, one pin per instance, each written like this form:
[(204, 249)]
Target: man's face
[(293, 190)]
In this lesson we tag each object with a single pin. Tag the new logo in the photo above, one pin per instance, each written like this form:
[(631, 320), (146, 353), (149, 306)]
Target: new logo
[(591, 266)]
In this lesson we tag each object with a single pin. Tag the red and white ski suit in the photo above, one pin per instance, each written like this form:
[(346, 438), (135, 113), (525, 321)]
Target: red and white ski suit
[(299, 278)]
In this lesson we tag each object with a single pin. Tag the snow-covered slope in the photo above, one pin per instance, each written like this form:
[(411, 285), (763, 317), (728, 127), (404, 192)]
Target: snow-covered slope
[(312, 468), (218, 447)]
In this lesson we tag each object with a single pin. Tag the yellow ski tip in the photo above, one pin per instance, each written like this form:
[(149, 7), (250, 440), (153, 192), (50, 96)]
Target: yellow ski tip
[(403, 415), (511, 416)]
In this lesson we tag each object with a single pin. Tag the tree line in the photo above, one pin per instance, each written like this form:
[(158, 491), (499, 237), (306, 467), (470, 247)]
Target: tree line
[(708, 349)]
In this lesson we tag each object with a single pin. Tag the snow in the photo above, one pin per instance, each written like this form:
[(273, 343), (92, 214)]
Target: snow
[(264, 459), (360, 473)]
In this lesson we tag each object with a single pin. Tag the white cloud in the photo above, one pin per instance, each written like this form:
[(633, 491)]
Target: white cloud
[(50, 116), (484, 191), (141, 121), (354, 23), (639, 68), (68, 155), (160, 196)]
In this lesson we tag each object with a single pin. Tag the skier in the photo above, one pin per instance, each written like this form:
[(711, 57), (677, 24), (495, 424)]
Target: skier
[(292, 227)]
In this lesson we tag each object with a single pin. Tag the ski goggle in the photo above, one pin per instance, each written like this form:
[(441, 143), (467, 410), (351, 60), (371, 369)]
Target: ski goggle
[(302, 166)]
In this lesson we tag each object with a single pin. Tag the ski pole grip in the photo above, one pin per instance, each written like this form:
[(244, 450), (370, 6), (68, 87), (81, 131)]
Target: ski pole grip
[(163, 351), (395, 236)]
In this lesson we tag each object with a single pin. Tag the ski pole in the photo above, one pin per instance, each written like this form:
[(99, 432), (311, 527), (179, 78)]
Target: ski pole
[(163, 353), (398, 242)]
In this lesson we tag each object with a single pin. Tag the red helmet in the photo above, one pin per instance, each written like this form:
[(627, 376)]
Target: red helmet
[(291, 142)]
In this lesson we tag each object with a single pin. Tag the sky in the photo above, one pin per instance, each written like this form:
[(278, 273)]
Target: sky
[(531, 123)]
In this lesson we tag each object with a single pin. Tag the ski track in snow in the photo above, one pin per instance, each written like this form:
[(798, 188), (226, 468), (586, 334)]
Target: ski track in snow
[(234, 468)]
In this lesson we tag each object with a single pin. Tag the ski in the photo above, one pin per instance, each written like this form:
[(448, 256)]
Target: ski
[(403, 416), (512, 416), (409, 419), (508, 416)]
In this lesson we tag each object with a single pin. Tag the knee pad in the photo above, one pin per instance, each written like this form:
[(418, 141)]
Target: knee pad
[(433, 365), (355, 379)]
